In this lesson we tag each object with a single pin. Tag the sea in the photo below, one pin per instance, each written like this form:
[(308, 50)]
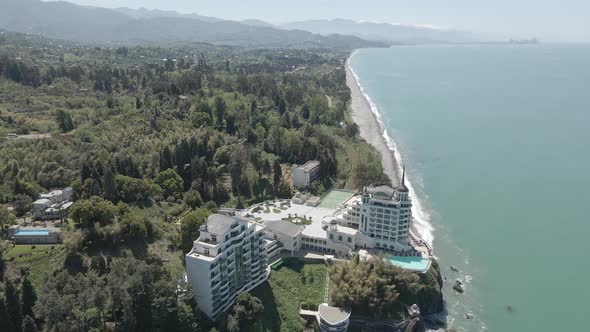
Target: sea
[(496, 140)]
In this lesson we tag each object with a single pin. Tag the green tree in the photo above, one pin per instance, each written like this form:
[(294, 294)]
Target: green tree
[(64, 121), (3, 313), (108, 185), (186, 319), (29, 324), (277, 174), (170, 182), (367, 287), (131, 190), (134, 229), (220, 110), (200, 119), (22, 204), (28, 296), (87, 212), (2, 267), (7, 218), (13, 307), (244, 312), (26, 188), (192, 198), (190, 227)]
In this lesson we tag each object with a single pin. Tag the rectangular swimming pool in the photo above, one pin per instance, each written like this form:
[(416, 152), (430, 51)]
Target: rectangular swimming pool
[(31, 233), (411, 263)]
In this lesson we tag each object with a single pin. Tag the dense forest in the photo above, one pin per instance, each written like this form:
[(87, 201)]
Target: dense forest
[(154, 139)]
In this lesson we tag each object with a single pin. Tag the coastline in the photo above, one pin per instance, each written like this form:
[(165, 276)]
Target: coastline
[(366, 115), (370, 128)]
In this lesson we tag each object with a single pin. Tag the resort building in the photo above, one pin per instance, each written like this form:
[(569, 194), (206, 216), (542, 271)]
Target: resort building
[(228, 258), (53, 205), (287, 234), (342, 222), (234, 250), (383, 215), (304, 175)]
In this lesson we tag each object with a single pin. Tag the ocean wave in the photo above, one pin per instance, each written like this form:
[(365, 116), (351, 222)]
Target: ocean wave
[(420, 214)]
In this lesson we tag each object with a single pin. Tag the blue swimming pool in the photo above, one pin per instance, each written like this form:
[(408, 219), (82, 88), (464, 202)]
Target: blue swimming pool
[(31, 233), (411, 263)]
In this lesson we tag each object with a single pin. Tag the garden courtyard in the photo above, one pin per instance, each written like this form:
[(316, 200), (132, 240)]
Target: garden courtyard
[(290, 285)]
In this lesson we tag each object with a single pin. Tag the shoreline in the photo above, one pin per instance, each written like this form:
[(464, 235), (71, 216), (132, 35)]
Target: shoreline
[(366, 115), (363, 115)]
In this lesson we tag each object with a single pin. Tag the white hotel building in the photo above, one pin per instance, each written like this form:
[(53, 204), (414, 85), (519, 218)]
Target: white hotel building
[(228, 258), (382, 215)]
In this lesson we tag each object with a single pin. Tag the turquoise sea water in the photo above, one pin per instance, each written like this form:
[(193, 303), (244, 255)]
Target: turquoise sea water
[(497, 144)]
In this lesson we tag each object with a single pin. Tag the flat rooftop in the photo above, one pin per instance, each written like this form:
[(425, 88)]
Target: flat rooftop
[(286, 227), (316, 214), (333, 315), (220, 223), (308, 166)]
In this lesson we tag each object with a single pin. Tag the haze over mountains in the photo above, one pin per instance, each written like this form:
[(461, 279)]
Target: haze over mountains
[(385, 32), (59, 19), (90, 24)]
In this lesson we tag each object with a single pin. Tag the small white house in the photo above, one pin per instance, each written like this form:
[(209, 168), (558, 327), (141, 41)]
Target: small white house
[(304, 175), (39, 207), (53, 205)]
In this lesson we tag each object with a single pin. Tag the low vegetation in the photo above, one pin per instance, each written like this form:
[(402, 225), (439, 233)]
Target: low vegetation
[(293, 284), (377, 289)]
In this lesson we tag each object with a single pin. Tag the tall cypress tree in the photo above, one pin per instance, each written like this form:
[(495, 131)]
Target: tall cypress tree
[(3, 313), (13, 308), (108, 184), (28, 297), (277, 174)]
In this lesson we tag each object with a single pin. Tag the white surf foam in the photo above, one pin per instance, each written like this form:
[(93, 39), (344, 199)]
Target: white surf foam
[(421, 216)]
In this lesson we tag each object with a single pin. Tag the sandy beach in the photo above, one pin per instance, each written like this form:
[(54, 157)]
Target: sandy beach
[(370, 129)]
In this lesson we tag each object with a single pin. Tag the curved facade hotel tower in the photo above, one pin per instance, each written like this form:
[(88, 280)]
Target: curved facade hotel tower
[(382, 215), (228, 258)]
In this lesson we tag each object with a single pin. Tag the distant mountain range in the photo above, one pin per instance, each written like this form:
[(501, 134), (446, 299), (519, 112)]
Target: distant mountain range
[(385, 32), (59, 19)]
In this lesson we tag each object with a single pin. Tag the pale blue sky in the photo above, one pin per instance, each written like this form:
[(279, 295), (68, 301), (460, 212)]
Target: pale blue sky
[(550, 20)]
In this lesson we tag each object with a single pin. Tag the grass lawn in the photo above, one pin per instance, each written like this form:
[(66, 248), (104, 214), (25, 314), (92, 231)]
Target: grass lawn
[(298, 220), (293, 283), (38, 260)]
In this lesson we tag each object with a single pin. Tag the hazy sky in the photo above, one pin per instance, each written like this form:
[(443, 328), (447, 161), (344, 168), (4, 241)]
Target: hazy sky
[(552, 20)]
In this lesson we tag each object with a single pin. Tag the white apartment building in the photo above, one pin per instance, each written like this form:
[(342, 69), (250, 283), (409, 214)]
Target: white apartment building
[(228, 258), (305, 174)]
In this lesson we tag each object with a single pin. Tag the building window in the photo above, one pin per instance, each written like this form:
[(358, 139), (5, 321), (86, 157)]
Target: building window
[(349, 239), (206, 252), (331, 236), (339, 237), (214, 238)]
